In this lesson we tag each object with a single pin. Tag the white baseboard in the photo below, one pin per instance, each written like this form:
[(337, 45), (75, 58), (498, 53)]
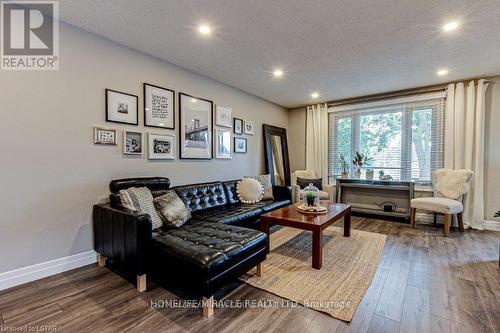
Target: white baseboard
[(492, 225), (38, 271)]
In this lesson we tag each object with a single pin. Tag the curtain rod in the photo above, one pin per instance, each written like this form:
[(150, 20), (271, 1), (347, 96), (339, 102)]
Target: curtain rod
[(388, 95), (394, 94)]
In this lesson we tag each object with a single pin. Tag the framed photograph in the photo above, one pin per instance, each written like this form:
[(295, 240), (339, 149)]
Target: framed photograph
[(161, 147), (240, 145), (223, 116), (104, 136), (238, 126), (249, 127), (222, 143), (195, 133), (121, 107), (159, 107), (132, 143)]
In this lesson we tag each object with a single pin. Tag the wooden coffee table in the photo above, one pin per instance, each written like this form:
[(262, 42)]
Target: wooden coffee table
[(289, 217)]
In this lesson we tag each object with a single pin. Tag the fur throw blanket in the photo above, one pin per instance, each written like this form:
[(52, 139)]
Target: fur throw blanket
[(451, 184)]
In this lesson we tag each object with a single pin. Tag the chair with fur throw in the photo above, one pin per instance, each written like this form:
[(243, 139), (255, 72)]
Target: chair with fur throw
[(449, 188)]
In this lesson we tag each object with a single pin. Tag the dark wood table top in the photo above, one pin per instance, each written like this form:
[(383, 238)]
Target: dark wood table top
[(290, 216)]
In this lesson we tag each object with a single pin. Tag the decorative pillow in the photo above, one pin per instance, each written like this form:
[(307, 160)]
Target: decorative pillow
[(265, 180), (249, 190), (171, 208), (304, 182), (140, 199)]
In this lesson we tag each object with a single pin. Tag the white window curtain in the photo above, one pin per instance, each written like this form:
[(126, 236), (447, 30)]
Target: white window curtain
[(317, 140), (464, 142)]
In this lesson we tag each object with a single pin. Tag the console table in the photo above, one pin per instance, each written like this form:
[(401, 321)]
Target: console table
[(379, 197)]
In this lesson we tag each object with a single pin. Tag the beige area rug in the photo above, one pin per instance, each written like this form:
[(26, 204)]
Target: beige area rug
[(349, 265)]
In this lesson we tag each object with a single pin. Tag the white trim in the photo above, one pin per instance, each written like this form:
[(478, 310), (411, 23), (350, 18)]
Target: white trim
[(38, 271), (387, 102), (491, 225)]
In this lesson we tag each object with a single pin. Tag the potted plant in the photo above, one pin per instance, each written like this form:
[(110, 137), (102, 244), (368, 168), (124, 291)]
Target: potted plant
[(310, 197), (358, 162), (344, 166), (497, 214), (369, 174), (382, 176)]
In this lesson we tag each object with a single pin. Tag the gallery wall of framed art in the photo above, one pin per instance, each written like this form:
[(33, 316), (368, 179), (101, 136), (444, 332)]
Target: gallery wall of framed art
[(203, 130)]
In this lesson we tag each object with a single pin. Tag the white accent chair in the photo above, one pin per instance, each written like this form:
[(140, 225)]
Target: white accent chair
[(449, 188), (327, 192)]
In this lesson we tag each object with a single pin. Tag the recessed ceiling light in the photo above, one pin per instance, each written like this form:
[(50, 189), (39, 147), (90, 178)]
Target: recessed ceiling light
[(450, 26), (442, 72), (278, 73), (193, 100), (204, 29), (315, 95)]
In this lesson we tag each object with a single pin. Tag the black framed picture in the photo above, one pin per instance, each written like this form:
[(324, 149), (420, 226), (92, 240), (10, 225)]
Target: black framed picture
[(195, 127), (238, 126), (122, 107), (240, 145), (159, 106)]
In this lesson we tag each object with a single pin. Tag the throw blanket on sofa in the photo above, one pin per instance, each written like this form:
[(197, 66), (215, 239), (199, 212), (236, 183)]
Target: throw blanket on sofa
[(451, 183)]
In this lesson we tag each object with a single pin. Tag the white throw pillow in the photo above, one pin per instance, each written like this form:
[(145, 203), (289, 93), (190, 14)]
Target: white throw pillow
[(265, 180), (249, 190), (140, 199)]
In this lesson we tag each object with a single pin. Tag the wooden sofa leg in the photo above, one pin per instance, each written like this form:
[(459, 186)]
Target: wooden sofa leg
[(447, 221), (101, 261), (208, 306), (259, 269), (460, 219), (141, 283)]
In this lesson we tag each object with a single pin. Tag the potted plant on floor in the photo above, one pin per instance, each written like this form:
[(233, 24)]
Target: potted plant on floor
[(344, 166)]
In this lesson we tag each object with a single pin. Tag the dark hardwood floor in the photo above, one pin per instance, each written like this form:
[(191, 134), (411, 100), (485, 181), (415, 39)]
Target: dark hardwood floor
[(424, 283)]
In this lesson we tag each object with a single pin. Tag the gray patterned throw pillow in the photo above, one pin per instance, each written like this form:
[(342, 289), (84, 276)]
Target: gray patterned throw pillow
[(171, 208), (140, 199)]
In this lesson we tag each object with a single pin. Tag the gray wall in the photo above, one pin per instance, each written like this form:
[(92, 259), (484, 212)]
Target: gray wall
[(296, 136), (52, 173)]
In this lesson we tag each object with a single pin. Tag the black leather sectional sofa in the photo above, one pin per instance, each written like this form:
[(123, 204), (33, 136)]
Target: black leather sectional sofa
[(219, 243)]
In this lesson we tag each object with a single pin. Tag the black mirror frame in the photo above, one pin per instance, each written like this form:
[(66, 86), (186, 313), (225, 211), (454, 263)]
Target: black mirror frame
[(269, 131)]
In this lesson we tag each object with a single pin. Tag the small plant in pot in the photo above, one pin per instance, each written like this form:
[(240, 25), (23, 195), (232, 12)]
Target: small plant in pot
[(310, 197), (497, 214), (369, 174), (344, 166), (358, 162), (383, 176)]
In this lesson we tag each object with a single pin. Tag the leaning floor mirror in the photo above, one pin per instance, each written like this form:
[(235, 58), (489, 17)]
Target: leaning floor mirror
[(276, 154)]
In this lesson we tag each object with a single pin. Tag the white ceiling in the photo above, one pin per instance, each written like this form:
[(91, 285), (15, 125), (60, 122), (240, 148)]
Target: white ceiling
[(341, 48)]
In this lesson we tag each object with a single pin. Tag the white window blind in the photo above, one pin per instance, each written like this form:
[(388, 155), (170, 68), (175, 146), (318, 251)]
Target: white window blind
[(404, 138)]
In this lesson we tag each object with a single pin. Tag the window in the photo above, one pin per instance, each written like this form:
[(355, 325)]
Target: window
[(403, 138)]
